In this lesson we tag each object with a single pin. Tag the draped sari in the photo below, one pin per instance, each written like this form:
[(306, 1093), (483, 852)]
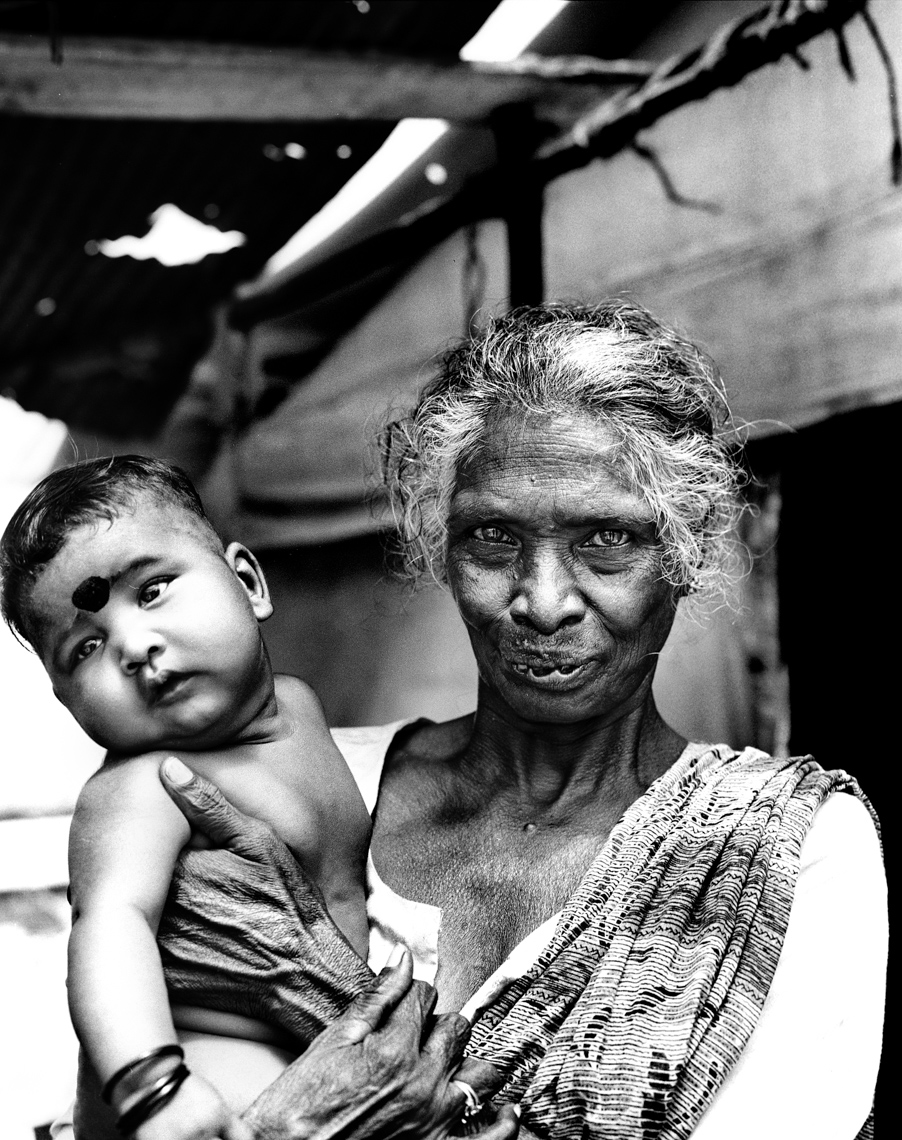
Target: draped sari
[(660, 963)]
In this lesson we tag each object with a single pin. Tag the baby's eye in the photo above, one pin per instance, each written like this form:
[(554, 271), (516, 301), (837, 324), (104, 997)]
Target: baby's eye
[(491, 534), (84, 649), (609, 538), (152, 591)]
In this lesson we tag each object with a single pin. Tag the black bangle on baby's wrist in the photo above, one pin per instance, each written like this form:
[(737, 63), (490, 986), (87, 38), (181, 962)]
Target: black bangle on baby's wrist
[(152, 1100), (106, 1093)]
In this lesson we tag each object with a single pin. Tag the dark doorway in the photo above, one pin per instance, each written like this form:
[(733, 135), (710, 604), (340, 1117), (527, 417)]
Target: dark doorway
[(839, 585)]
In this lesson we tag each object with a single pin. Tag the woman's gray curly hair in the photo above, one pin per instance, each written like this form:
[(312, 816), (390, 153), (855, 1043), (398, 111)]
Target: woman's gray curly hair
[(660, 395)]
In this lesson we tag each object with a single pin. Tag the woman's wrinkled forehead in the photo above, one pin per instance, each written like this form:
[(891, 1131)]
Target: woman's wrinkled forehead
[(513, 437)]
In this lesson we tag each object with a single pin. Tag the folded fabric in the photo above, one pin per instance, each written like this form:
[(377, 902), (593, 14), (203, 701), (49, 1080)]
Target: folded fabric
[(655, 977)]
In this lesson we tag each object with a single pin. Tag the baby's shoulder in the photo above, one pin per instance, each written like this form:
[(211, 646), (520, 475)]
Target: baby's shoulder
[(301, 703), (125, 787), (296, 693), (119, 775), (116, 768)]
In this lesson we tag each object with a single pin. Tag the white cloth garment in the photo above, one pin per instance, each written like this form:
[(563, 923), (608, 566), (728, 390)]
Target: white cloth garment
[(809, 1070), (810, 1066)]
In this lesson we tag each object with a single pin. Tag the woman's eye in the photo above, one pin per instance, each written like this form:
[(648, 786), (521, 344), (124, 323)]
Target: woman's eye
[(84, 650), (609, 538), (152, 591), (492, 534)]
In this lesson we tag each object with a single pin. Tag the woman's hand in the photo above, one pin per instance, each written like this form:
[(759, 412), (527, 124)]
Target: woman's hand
[(385, 1070), (245, 930)]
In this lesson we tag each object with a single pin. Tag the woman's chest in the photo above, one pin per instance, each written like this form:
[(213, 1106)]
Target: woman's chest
[(494, 888)]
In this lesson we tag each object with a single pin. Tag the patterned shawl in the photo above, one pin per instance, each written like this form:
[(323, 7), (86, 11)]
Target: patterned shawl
[(655, 977)]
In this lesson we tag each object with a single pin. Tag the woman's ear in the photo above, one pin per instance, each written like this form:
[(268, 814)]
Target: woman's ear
[(250, 575)]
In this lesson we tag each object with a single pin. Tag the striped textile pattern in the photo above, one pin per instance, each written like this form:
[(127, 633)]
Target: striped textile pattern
[(655, 977)]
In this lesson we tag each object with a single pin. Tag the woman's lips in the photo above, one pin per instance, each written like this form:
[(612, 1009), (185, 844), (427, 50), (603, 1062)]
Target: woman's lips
[(549, 674)]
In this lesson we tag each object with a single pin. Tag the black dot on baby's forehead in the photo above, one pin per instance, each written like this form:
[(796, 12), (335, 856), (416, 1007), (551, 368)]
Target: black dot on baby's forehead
[(92, 595)]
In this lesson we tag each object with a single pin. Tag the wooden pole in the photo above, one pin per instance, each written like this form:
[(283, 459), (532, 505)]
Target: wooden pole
[(522, 201)]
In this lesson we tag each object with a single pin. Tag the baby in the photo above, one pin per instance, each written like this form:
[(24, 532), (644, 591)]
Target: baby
[(148, 629)]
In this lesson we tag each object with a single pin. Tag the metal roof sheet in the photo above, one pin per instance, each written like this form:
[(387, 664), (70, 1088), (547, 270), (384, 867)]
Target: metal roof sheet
[(105, 344)]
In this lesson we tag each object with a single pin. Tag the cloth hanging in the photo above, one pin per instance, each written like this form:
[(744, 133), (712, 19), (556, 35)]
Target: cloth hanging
[(661, 961)]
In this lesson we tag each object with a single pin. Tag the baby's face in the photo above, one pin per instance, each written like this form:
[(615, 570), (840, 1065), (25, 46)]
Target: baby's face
[(150, 635)]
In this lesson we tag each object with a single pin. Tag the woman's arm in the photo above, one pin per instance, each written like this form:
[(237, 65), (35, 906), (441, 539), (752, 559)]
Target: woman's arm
[(383, 1069), (245, 926)]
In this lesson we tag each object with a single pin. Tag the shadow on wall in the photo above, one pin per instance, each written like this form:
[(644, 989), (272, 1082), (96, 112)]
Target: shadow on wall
[(373, 651)]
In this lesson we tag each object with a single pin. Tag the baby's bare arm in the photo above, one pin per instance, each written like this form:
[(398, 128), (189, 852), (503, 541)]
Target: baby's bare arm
[(124, 842)]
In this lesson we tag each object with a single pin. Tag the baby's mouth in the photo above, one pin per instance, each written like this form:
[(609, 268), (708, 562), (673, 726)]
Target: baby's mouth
[(166, 687)]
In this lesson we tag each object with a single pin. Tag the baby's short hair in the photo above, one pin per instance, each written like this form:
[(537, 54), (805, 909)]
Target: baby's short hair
[(81, 493)]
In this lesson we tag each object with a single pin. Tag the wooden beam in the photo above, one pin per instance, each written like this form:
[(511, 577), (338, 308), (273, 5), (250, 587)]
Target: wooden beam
[(146, 79), (735, 51)]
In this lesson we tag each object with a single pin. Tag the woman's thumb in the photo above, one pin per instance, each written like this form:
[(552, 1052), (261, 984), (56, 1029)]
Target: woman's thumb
[(206, 808), (369, 1009), (237, 1130)]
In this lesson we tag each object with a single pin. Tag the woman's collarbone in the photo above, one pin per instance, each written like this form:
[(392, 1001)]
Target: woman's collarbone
[(530, 869)]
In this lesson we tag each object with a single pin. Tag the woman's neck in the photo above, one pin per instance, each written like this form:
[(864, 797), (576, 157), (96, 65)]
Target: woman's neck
[(546, 764)]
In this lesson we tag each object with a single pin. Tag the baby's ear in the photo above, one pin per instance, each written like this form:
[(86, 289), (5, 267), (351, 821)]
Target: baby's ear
[(250, 575)]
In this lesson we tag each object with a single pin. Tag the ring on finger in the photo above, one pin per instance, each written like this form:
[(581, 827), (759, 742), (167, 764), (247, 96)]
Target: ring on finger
[(473, 1104)]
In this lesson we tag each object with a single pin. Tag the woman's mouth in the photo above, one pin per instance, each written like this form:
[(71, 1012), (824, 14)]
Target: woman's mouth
[(549, 675)]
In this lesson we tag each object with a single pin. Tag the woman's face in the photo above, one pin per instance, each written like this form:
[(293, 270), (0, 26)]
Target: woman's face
[(556, 569)]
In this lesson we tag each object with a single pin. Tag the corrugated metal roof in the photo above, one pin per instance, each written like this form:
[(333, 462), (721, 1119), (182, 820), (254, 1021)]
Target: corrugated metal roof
[(410, 27), (106, 344)]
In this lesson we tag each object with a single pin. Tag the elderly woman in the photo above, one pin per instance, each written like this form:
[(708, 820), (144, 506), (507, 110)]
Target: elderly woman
[(652, 937)]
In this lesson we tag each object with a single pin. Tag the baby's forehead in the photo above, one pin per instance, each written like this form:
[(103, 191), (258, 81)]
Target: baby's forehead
[(146, 511), (97, 552)]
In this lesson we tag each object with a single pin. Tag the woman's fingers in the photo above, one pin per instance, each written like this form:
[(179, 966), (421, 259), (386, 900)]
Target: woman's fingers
[(237, 1130), (446, 1041), (505, 1126), (369, 1011), (207, 809), (483, 1078)]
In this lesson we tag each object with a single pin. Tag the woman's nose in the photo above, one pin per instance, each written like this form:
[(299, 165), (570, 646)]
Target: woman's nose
[(547, 594)]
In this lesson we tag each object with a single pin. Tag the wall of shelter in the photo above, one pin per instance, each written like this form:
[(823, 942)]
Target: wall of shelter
[(787, 269), (297, 487)]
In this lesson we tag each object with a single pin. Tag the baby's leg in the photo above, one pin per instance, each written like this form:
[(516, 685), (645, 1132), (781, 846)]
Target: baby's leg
[(240, 1070)]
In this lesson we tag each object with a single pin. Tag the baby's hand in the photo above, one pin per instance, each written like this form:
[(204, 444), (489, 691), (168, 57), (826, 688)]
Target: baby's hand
[(196, 1112)]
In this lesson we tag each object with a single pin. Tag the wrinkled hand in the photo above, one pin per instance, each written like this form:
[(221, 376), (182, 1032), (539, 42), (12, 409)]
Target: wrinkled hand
[(245, 930), (382, 1071)]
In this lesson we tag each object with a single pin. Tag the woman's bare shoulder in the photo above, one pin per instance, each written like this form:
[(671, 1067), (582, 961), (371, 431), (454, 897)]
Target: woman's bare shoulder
[(425, 742)]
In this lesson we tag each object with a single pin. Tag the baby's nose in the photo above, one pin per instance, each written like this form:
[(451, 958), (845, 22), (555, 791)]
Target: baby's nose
[(139, 651)]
